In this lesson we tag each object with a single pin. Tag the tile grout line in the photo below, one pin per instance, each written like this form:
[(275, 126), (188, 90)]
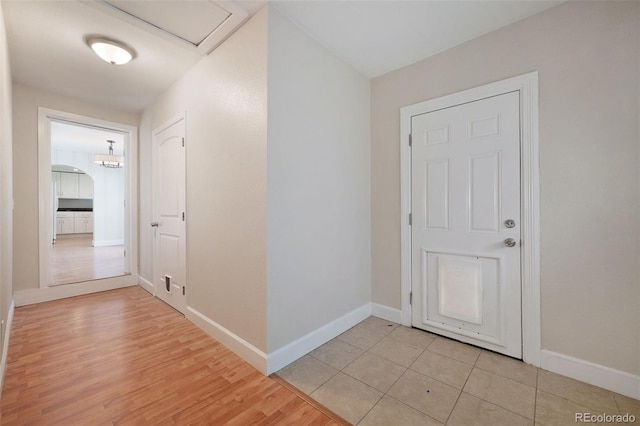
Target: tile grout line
[(365, 351), (514, 381), (412, 408), (366, 384), (372, 407), (462, 389), (307, 397), (401, 374), (405, 370), (323, 383), (508, 378)]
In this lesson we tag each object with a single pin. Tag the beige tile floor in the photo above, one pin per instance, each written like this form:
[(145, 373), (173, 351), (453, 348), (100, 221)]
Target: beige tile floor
[(380, 373)]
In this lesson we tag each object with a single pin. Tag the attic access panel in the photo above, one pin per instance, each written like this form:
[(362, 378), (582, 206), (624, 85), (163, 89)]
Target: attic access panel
[(201, 24)]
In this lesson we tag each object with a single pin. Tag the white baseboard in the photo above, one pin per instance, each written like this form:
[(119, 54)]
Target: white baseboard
[(280, 358), (105, 243), (302, 346), (594, 374), (145, 284), (29, 297), (235, 343), (386, 313), (5, 342)]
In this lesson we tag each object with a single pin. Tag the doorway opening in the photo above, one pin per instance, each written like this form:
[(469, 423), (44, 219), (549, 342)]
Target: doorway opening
[(87, 211), (88, 204)]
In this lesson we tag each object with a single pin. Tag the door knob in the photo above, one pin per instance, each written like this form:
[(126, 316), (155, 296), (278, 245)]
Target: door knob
[(154, 224), (510, 242)]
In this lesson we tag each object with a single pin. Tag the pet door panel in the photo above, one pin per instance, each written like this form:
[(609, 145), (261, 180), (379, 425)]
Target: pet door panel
[(460, 289)]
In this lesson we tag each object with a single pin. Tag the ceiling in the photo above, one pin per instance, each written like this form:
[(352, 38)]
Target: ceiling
[(380, 36), (47, 50), (75, 138)]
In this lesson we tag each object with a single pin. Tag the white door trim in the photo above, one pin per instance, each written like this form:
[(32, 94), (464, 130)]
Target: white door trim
[(527, 84), (164, 126), (45, 116)]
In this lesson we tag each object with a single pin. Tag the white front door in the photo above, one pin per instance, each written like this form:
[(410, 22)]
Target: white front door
[(169, 265), (466, 223)]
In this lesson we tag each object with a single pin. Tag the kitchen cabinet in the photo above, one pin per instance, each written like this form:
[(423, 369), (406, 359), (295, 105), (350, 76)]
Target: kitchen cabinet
[(64, 223), (73, 185), (68, 185), (74, 222), (82, 223)]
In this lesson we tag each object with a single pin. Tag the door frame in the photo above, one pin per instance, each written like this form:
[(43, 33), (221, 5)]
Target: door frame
[(154, 213), (527, 85), (45, 117)]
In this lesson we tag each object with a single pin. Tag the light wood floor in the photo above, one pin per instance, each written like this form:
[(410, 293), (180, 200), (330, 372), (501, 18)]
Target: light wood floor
[(124, 357), (73, 260)]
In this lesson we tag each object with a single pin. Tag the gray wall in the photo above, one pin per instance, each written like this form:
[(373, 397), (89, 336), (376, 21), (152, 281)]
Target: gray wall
[(587, 55)]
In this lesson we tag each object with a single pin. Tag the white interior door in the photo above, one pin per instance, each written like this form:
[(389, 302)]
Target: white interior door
[(466, 281), (169, 265)]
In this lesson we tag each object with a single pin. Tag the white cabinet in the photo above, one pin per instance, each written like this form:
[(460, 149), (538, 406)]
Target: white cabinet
[(82, 223), (73, 185), (74, 222), (85, 186), (68, 185), (64, 223)]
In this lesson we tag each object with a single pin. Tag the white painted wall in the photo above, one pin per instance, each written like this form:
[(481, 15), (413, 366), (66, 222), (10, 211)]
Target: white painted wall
[(26, 101), (589, 167), (318, 196), (225, 100), (108, 195), (6, 186)]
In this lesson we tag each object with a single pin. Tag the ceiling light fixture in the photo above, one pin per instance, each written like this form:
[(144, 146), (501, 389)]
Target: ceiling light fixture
[(109, 50), (109, 160)]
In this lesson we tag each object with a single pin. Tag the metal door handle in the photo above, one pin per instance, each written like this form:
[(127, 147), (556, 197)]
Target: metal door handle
[(510, 242), (154, 224)]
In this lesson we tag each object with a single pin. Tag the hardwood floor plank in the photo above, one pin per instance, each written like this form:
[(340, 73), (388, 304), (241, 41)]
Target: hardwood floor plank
[(124, 358)]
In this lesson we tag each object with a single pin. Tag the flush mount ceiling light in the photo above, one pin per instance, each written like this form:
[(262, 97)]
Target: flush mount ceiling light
[(109, 50), (109, 160)]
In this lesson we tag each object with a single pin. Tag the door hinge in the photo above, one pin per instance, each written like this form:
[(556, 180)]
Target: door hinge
[(410, 140), (183, 216), (410, 219), (182, 141), (183, 290), (411, 298)]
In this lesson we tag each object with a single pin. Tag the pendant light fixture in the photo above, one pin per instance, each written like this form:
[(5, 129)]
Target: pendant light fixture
[(109, 160), (109, 50)]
